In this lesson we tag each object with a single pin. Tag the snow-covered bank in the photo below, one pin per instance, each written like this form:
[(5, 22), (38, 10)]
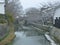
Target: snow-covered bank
[(49, 39), (55, 33)]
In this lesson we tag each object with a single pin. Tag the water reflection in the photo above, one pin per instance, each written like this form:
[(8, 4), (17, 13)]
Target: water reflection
[(29, 38)]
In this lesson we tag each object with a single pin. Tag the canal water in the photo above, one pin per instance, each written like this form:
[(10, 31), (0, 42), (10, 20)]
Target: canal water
[(29, 37)]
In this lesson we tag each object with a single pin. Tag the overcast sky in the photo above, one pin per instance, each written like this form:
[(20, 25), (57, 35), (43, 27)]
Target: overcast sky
[(35, 3), (32, 3)]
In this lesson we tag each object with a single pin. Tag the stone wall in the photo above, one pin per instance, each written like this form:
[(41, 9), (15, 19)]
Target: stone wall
[(55, 32), (3, 30)]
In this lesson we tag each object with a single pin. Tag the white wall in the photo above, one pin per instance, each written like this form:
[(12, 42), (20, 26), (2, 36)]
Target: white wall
[(2, 0), (2, 10), (2, 3)]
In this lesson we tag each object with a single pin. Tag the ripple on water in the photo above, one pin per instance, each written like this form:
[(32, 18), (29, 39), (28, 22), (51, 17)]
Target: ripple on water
[(23, 39)]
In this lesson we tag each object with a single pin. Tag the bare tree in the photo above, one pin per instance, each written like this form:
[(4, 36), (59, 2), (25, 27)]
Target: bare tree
[(47, 12), (33, 15), (14, 7)]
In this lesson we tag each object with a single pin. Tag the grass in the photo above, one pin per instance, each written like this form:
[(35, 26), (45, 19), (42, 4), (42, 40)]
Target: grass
[(8, 39), (3, 21), (10, 36), (4, 36)]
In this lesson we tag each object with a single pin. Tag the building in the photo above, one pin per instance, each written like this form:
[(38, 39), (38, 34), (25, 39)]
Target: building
[(2, 10), (2, 7), (3, 25)]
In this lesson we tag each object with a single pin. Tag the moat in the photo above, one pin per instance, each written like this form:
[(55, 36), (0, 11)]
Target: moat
[(30, 37)]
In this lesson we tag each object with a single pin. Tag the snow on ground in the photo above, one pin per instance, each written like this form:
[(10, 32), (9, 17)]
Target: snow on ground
[(48, 38)]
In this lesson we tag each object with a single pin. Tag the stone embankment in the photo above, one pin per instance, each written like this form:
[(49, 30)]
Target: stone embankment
[(3, 30), (10, 36), (55, 33)]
